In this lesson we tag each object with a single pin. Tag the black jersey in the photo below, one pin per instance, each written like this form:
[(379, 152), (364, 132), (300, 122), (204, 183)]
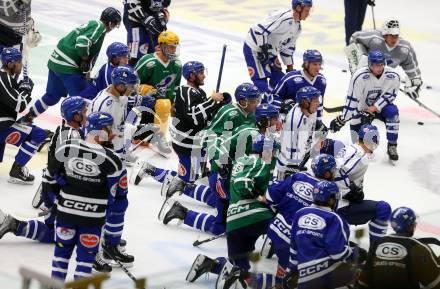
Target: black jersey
[(12, 99), (135, 11), (399, 262), (92, 174), (192, 112)]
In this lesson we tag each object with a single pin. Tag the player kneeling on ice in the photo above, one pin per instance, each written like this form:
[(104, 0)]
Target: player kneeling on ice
[(248, 218), (397, 50), (320, 253), (370, 96), (400, 261), (84, 197), (275, 35), (73, 111), (14, 98)]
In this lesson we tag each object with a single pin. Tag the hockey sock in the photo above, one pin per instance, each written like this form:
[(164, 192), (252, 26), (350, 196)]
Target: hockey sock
[(262, 281), (114, 223), (203, 222), (60, 261), (36, 230), (30, 146), (160, 174), (201, 193), (220, 263), (84, 263)]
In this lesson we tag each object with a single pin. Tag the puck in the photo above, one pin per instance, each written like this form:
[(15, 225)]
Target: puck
[(428, 87), (344, 70), (420, 123)]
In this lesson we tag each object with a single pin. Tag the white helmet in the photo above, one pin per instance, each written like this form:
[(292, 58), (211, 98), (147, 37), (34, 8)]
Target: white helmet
[(391, 27)]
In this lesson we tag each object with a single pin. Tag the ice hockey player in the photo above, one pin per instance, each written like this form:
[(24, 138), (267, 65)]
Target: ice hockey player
[(298, 132), (287, 197), (144, 21), (194, 112), (275, 35), (397, 51), (117, 55), (247, 219), (163, 71), (15, 23), (14, 98), (400, 261), (73, 59), (319, 247), (371, 94), (293, 81), (84, 197), (230, 147), (73, 111), (353, 161), (114, 101)]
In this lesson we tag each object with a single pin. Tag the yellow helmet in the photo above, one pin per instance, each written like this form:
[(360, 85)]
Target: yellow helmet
[(168, 37)]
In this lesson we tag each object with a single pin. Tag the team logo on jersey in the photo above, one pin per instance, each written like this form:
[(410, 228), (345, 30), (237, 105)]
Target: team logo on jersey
[(312, 222), (251, 71), (182, 170), (390, 75), (109, 102), (391, 251), (65, 233), (304, 190), (150, 64), (13, 138), (89, 240), (83, 167), (144, 49), (298, 79), (123, 182), (219, 189), (366, 76)]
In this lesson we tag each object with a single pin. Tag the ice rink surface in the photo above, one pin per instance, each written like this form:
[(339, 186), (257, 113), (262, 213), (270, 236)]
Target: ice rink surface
[(164, 253)]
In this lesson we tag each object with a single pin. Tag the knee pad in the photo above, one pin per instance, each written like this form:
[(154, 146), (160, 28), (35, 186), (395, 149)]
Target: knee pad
[(163, 110), (50, 99), (37, 135), (383, 211), (144, 89), (261, 83)]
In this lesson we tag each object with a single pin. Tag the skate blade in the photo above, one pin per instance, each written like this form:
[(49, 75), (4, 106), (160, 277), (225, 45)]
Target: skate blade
[(226, 270), (265, 249), (166, 184), (393, 163), (197, 262), (134, 172), (36, 201), (19, 182), (155, 149), (113, 263), (164, 209)]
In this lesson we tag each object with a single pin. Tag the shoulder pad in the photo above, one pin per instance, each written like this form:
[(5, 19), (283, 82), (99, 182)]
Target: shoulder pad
[(233, 113), (150, 64)]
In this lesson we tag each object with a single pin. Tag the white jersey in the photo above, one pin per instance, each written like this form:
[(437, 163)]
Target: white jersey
[(367, 90), (352, 163), (280, 31), (296, 138), (116, 106)]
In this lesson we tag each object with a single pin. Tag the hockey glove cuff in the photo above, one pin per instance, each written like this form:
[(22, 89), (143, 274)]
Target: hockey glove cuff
[(337, 123), (151, 25), (412, 89)]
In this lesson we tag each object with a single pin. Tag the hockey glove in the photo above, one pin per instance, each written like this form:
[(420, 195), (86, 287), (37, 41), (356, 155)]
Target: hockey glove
[(412, 89), (151, 25), (227, 98), (355, 195), (26, 86), (371, 3), (337, 124), (33, 38), (60, 180), (264, 56), (85, 66), (367, 117), (161, 20), (290, 280), (321, 128)]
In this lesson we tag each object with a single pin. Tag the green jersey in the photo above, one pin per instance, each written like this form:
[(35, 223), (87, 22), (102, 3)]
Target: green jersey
[(165, 77), (250, 177), (232, 145), (85, 40)]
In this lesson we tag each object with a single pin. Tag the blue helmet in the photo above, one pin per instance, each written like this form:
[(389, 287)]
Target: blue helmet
[(402, 218), (323, 163), (71, 106), (124, 75), (312, 55), (307, 93), (116, 49), (98, 120), (303, 3), (376, 57), (369, 135), (10, 54), (192, 67), (111, 14), (264, 112), (324, 191), (247, 91)]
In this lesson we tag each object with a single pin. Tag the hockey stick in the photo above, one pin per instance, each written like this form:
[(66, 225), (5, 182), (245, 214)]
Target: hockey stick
[(372, 13), (199, 242), (139, 283), (222, 63), (421, 104), (334, 109), (25, 52), (429, 240)]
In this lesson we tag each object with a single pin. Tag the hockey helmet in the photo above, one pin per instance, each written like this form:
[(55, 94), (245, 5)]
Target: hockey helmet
[(192, 67), (264, 113), (111, 15), (116, 49), (324, 191), (376, 57), (323, 163), (303, 3), (402, 218), (10, 54), (167, 39), (391, 27), (71, 106), (307, 93), (369, 135), (312, 55), (97, 121), (247, 91), (124, 75)]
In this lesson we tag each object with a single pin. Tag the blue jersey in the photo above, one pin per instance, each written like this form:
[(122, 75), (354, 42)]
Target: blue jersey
[(319, 243), (102, 80), (294, 81)]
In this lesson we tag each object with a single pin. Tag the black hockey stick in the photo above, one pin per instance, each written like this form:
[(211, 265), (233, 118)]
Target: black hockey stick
[(421, 104), (199, 242), (130, 275), (429, 240), (220, 72), (334, 109)]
